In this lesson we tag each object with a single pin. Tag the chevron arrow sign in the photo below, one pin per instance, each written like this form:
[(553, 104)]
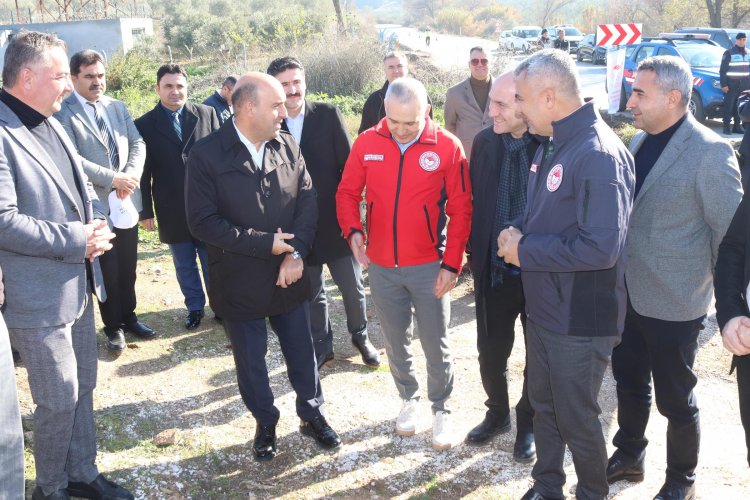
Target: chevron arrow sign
[(618, 34)]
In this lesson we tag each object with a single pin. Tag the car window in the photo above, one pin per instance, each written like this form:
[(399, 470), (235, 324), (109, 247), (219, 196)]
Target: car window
[(665, 51), (701, 56), (589, 39), (643, 53), (572, 32)]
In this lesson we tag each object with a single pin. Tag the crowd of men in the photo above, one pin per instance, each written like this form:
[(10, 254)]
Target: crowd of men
[(600, 250)]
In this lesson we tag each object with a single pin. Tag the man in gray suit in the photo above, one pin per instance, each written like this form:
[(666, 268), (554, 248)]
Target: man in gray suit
[(104, 133), (687, 190), (52, 231), (467, 104)]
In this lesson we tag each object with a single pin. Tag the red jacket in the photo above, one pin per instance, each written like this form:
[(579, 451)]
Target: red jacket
[(406, 197)]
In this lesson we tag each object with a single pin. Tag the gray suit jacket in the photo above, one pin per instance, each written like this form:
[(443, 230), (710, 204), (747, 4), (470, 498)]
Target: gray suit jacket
[(679, 218), (86, 137), (463, 118), (42, 239)]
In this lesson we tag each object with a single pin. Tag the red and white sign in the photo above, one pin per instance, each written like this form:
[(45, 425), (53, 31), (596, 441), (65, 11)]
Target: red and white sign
[(618, 34)]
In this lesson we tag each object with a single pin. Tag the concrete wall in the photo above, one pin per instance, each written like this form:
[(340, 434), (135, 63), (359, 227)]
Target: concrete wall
[(109, 36)]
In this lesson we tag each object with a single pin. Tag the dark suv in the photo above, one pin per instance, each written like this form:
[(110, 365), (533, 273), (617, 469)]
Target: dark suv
[(587, 49), (723, 36)]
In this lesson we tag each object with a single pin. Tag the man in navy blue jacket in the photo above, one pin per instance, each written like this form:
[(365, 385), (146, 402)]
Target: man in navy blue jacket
[(569, 247)]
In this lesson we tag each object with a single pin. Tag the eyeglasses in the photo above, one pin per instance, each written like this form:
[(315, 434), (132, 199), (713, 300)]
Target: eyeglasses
[(477, 62)]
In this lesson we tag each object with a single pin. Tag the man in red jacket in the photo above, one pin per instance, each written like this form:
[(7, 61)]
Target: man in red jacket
[(416, 174)]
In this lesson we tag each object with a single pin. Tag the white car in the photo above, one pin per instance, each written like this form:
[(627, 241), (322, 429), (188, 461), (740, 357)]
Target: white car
[(505, 39), (523, 38)]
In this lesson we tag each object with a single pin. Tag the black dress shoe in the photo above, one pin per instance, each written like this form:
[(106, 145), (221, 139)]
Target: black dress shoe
[(57, 495), (534, 495), (139, 329), (100, 488), (524, 450), (193, 319), (324, 360), (115, 338), (264, 442), (319, 429), (620, 467), (368, 352), (218, 319), (488, 428), (671, 491)]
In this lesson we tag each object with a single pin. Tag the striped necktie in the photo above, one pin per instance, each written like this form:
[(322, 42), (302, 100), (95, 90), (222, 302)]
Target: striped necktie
[(114, 157), (176, 124)]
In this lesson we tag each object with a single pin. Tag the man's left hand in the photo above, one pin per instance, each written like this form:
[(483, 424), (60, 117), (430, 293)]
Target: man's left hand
[(446, 280), (290, 271), (507, 244)]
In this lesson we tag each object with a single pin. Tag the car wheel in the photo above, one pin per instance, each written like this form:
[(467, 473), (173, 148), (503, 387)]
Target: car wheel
[(512, 47), (623, 99), (594, 58), (695, 106), (579, 56)]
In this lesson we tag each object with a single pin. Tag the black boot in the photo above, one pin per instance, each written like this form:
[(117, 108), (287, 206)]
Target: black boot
[(488, 428), (369, 354)]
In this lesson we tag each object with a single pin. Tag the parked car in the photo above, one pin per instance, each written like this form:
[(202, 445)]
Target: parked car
[(722, 36), (505, 39), (524, 37), (572, 35), (704, 58), (588, 49)]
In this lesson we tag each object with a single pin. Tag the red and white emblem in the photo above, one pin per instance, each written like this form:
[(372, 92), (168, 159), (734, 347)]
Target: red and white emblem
[(554, 179), (429, 161)]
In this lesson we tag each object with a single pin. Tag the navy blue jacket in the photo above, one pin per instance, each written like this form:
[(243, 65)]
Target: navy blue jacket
[(576, 220), (220, 105)]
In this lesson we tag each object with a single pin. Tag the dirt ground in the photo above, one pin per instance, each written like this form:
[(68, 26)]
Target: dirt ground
[(186, 381)]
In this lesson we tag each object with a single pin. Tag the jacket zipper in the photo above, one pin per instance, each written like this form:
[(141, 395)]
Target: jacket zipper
[(586, 195), (395, 209)]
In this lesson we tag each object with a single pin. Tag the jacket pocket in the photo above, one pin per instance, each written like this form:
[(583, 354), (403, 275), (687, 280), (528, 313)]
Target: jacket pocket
[(558, 287), (429, 226)]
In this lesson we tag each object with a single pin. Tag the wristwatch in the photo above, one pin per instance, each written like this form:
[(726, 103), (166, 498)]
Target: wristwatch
[(296, 255)]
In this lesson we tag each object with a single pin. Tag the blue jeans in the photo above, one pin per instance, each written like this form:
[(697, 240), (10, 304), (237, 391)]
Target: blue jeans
[(186, 268)]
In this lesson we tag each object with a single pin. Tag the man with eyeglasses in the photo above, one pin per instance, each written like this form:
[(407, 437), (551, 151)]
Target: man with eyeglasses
[(467, 104)]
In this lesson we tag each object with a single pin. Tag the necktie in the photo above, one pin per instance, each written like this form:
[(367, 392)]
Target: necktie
[(114, 157), (176, 124)]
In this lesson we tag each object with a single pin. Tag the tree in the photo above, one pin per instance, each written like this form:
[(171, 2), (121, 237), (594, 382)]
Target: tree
[(714, 12), (339, 16), (547, 8)]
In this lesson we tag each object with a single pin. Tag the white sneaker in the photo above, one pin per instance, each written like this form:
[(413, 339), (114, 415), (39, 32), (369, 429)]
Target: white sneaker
[(407, 417), (442, 438)]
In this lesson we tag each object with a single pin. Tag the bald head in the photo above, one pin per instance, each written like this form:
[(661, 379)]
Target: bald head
[(505, 119), (258, 101)]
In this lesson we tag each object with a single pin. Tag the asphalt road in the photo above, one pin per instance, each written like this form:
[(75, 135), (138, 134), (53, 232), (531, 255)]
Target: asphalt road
[(449, 51)]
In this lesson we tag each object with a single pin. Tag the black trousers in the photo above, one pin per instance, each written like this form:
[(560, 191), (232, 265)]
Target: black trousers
[(742, 364), (499, 309), (730, 103), (249, 346), (665, 350), (118, 270)]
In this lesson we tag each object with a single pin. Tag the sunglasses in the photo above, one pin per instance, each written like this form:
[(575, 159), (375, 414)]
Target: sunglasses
[(477, 62)]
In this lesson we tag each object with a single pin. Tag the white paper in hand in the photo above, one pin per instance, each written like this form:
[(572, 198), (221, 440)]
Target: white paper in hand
[(122, 213)]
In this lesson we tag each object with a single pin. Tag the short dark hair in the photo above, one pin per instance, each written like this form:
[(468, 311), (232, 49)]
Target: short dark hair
[(25, 49), (229, 81), (169, 69), (477, 48), (84, 58), (247, 91), (281, 64)]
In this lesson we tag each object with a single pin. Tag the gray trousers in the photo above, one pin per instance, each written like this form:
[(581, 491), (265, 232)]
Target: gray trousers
[(394, 291), (347, 275), (61, 362), (564, 376), (11, 434)]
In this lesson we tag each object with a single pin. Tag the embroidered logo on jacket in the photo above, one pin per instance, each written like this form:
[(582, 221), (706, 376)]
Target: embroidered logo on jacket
[(372, 157), (429, 161), (554, 179)]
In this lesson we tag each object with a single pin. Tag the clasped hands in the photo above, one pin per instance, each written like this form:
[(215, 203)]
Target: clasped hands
[(736, 335), (291, 268), (98, 236), (124, 184), (507, 245)]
